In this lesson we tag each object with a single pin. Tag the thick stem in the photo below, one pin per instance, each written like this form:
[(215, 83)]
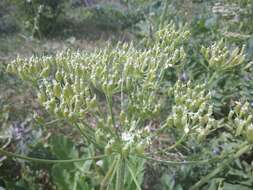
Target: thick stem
[(31, 159)]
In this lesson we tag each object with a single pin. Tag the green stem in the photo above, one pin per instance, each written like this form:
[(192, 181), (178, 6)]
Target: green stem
[(121, 90), (109, 103), (242, 149), (120, 174), (113, 174), (169, 162), (132, 175), (31, 159), (87, 136), (53, 122), (159, 130), (177, 143), (165, 10), (211, 80), (109, 174)]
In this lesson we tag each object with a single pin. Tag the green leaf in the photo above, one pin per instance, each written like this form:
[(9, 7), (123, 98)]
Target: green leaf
[(63, 148), (168, 182), (133, 176), (65, 179)]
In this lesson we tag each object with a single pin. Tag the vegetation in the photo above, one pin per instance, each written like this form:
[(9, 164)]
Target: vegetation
[(168, 108)]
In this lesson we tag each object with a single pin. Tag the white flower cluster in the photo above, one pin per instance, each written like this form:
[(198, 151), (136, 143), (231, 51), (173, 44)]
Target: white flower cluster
[(120, 87)]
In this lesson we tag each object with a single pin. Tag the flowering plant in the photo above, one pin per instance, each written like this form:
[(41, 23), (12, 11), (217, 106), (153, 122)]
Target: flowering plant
[(121, 101)]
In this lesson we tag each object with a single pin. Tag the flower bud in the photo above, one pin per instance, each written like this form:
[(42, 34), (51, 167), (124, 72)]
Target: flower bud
[(45, 72), (108, 149), (99, 136), (177, 121), (126, 150), (57, 112), (250, 134), (204, 119), (58, 76), (92, 104), (71, 116), (170, 121), (249, 120), (66, 112), (230, 115), (42, 98), (184, 120), (122, 117), (57, 90), (140, 149), (237, 108)]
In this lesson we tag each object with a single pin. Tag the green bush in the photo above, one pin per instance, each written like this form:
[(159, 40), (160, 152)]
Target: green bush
[(8, 24), (40, 16)]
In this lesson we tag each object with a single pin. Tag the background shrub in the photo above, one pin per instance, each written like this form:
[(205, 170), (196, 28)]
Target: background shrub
[(40, 16)]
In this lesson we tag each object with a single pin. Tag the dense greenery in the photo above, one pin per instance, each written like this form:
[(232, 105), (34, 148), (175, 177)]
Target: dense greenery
[(170, 108), (40, 15)]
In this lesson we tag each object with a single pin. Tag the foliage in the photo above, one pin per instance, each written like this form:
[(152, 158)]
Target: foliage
[(39, 15), (174, 96), (7, 22), (70, 99), (45, 18), (109, 16), (122, 99)]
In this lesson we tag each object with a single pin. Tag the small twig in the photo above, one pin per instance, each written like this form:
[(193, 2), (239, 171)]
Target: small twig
[(53, 121), (4, 146), (7, 143), (193, 162)]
